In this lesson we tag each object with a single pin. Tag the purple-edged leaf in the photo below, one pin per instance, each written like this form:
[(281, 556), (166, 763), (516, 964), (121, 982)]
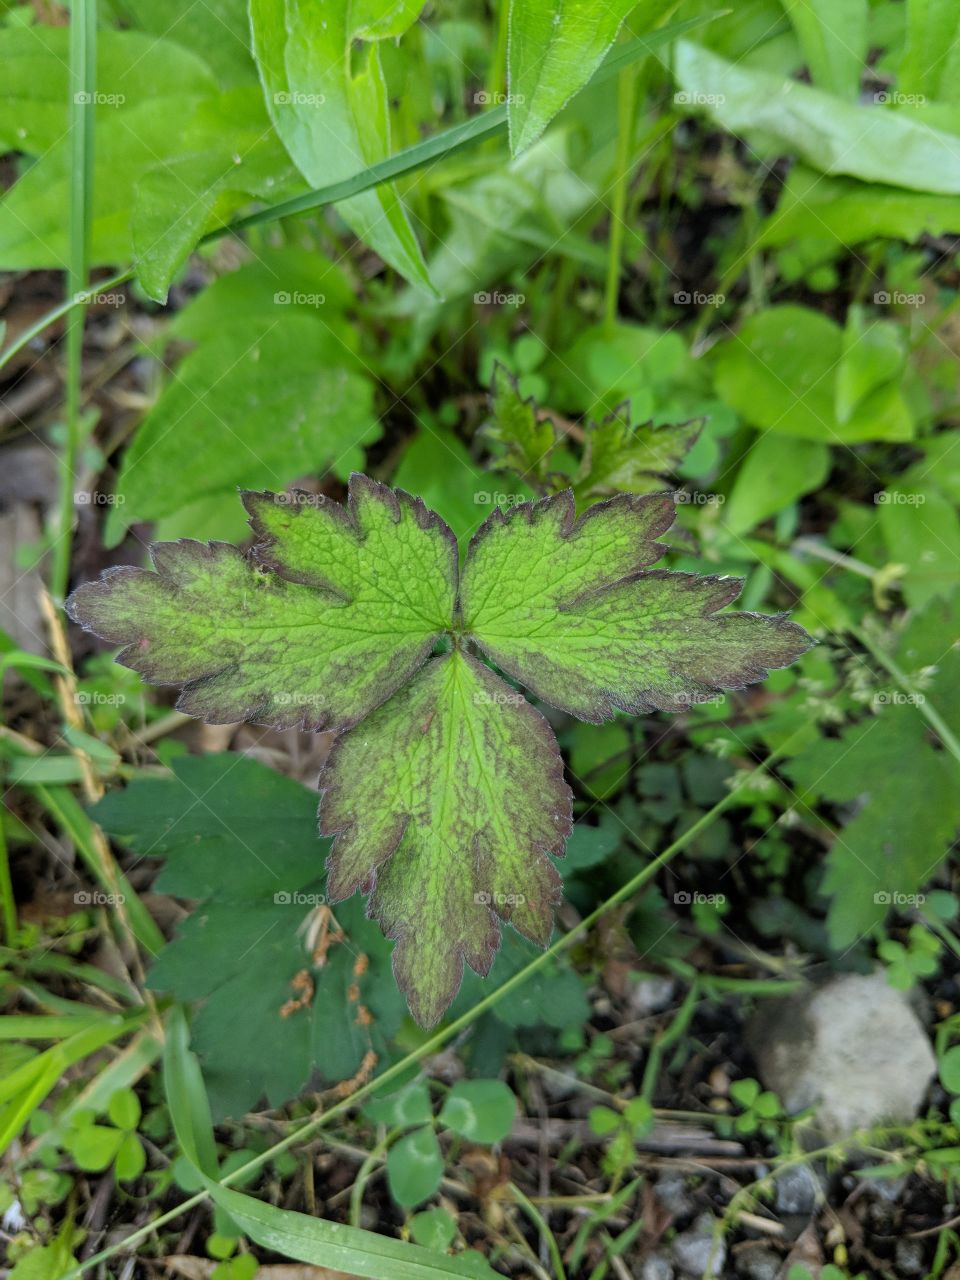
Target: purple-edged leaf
[(620, 456), (566, 607), (347, 604), (445, 803)]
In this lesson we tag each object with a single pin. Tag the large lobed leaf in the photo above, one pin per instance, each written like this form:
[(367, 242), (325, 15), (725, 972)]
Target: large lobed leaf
[(318, 648), (447, 800), (450, 795)]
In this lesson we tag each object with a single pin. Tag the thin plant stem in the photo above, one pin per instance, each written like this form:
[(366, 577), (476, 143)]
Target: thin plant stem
[(82, 81), (6, 887), (626, 109), (923, 705)]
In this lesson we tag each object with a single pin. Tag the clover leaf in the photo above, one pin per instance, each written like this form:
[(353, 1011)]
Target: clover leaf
[(445, 791)]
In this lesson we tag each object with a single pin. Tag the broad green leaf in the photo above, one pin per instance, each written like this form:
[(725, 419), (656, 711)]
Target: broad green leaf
[(950, 1069), (404, 1108), (554, 50), (479, 1110), (93, 1146), (415, 1167), (318, 647), (780, 372), (333, 117), (131, 1158), (844, 211), (873, 354), (260, 401), (930, 66), (203, 184), (124, 1109), (776, 471), (131, 69), (833, 37), (564, 607), (434, 1229), (921, 530), (452, 793), (525, 441), (623, 457), (868, 142), (259, 887), (220, 28)]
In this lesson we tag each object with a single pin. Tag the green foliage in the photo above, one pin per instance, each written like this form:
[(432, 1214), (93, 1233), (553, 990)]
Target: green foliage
[(760, 1110), (369, 590), (255, 930), (788, 371), (333, 117), (623, 1129), (905, 790), (94, 1147), (272, 333), (553, 53)]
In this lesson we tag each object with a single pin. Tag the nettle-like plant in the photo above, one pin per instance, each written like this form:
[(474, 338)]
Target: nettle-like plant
[(445, 788)]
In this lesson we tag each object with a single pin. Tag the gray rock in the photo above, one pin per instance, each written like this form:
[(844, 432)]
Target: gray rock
[(853, 1049), (759, 1264), (672, 1193), (650, 995), (797, 1188), (909, 1255), (696, 1250), (656, 1268)]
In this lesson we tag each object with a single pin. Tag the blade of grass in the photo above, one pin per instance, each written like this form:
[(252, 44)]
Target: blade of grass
[(486, 125), (67, 812), (435, 1042), (82, 82), (296, 1235)]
